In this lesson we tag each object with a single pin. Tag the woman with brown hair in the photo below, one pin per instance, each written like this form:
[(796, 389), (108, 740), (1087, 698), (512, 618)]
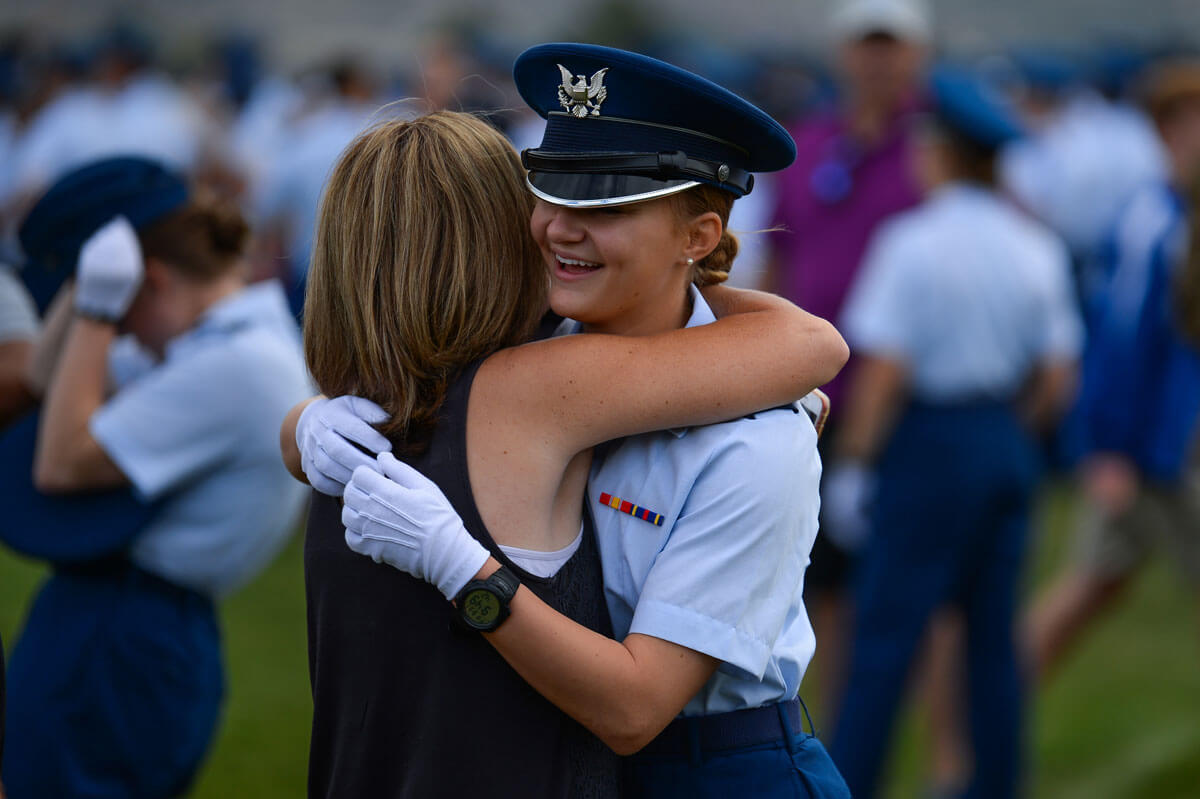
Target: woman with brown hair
[(626, 244), (116, 682)]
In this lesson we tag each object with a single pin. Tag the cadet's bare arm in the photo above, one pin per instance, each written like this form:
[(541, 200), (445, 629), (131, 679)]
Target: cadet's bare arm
[(584, 390)]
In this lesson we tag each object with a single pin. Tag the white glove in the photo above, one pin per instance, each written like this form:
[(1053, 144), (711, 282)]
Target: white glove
[(401, 518), (110, 271), (846, 496), (324, 434)]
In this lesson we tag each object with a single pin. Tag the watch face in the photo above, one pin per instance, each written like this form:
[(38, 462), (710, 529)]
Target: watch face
[(481, 607)]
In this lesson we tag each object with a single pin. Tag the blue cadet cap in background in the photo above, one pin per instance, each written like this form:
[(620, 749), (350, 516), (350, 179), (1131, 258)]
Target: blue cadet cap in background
[(1046, 70), (973, 109), (623, 127), (80, 202)]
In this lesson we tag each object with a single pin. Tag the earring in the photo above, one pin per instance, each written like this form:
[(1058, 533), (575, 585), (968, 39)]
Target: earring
[(691, 261)]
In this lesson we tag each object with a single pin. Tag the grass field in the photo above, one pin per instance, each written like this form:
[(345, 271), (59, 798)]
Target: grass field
[(1122, 720)]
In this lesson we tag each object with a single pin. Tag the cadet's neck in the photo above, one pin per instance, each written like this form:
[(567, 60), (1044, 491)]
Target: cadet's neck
[(658, 316)]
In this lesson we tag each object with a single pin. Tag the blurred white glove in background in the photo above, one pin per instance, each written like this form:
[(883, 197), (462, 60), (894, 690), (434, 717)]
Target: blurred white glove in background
[(110, 271), (846, 496)]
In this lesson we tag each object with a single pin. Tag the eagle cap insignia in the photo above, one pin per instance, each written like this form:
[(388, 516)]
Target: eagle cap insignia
[(579, 96)]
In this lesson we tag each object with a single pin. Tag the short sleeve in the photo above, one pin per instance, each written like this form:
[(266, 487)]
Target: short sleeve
[(1061, 326), (18, 316), (733, 564), (178, 421), (878, 317)]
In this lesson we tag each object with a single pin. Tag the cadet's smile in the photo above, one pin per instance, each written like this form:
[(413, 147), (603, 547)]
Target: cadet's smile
[(568, 268)]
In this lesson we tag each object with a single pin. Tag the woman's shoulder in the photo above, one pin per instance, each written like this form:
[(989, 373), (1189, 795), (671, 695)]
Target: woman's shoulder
[(758, 448)]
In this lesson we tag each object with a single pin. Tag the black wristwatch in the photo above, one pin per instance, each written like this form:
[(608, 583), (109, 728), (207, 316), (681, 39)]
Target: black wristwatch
[(483, 604)]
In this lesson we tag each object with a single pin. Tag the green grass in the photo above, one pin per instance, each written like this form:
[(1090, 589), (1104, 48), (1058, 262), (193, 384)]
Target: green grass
[(1122, 719)]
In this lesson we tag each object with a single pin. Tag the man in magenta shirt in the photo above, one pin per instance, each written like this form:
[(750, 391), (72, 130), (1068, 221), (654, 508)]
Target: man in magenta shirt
[(851, 173)]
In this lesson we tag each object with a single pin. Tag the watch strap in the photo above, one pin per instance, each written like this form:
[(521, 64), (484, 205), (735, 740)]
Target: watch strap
[(505, 582)]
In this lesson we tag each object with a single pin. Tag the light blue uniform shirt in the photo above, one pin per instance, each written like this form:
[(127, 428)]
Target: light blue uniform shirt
[(724, 573), (201, 429), (968, 292)]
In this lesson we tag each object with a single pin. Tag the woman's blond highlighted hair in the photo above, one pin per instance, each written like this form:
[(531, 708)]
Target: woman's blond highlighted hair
[(423, 263)]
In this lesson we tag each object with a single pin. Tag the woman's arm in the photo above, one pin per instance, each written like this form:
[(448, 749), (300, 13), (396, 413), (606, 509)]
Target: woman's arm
[(1048, 393), (877, 390), (68, 458), (288, 448), (726, 300), (323, 440), (586, 389), (625, 692), (746, 510), (576, 391), (50, 341)]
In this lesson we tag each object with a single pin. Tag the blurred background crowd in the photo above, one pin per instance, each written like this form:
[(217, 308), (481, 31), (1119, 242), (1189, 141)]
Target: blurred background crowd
[(1105, 165)]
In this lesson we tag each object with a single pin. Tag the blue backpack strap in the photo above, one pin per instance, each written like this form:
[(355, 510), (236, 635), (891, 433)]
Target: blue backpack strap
[(63, 529)]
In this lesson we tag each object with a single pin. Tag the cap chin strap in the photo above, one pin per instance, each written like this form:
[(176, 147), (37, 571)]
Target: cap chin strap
[(654, 165)]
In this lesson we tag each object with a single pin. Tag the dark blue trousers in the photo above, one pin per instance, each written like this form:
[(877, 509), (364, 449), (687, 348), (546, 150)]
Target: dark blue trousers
[(950, 523), (114, 689), (793, 766), (115, 683)]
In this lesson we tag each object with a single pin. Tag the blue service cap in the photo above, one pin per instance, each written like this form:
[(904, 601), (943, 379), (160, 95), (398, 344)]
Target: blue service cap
[(80, 202), (623, 127), (1045, 70), (140, 189), (973, 109)]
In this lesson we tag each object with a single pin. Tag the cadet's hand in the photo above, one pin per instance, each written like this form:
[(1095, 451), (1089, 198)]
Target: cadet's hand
[(402, 518), (1111, 482), (324, 434), (110, 271), (846, 494)]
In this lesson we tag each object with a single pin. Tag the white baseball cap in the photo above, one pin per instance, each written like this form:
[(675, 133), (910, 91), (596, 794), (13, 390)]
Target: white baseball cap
[(909, 20)]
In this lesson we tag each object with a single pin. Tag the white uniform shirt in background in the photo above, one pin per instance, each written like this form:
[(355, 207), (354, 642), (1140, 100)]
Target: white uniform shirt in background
[(293, 185), (147, 116), (969, 292), (1079, 171), (724, 573), (18, 315), (261, 134), (55, 140), (201, 433)]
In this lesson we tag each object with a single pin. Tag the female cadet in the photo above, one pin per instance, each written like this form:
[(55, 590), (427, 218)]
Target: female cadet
[(412, 337), (968, 335), (116, 682), (703, 532)]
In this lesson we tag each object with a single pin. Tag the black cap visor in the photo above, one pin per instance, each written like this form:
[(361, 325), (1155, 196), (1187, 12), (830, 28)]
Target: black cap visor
[(597, 190)]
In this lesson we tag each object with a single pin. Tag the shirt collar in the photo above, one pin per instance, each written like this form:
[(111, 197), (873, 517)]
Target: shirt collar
[(701, 315), (963, 190)]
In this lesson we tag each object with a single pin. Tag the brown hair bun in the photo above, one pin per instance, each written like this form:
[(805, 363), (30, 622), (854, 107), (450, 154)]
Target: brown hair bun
[(202, 241)]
